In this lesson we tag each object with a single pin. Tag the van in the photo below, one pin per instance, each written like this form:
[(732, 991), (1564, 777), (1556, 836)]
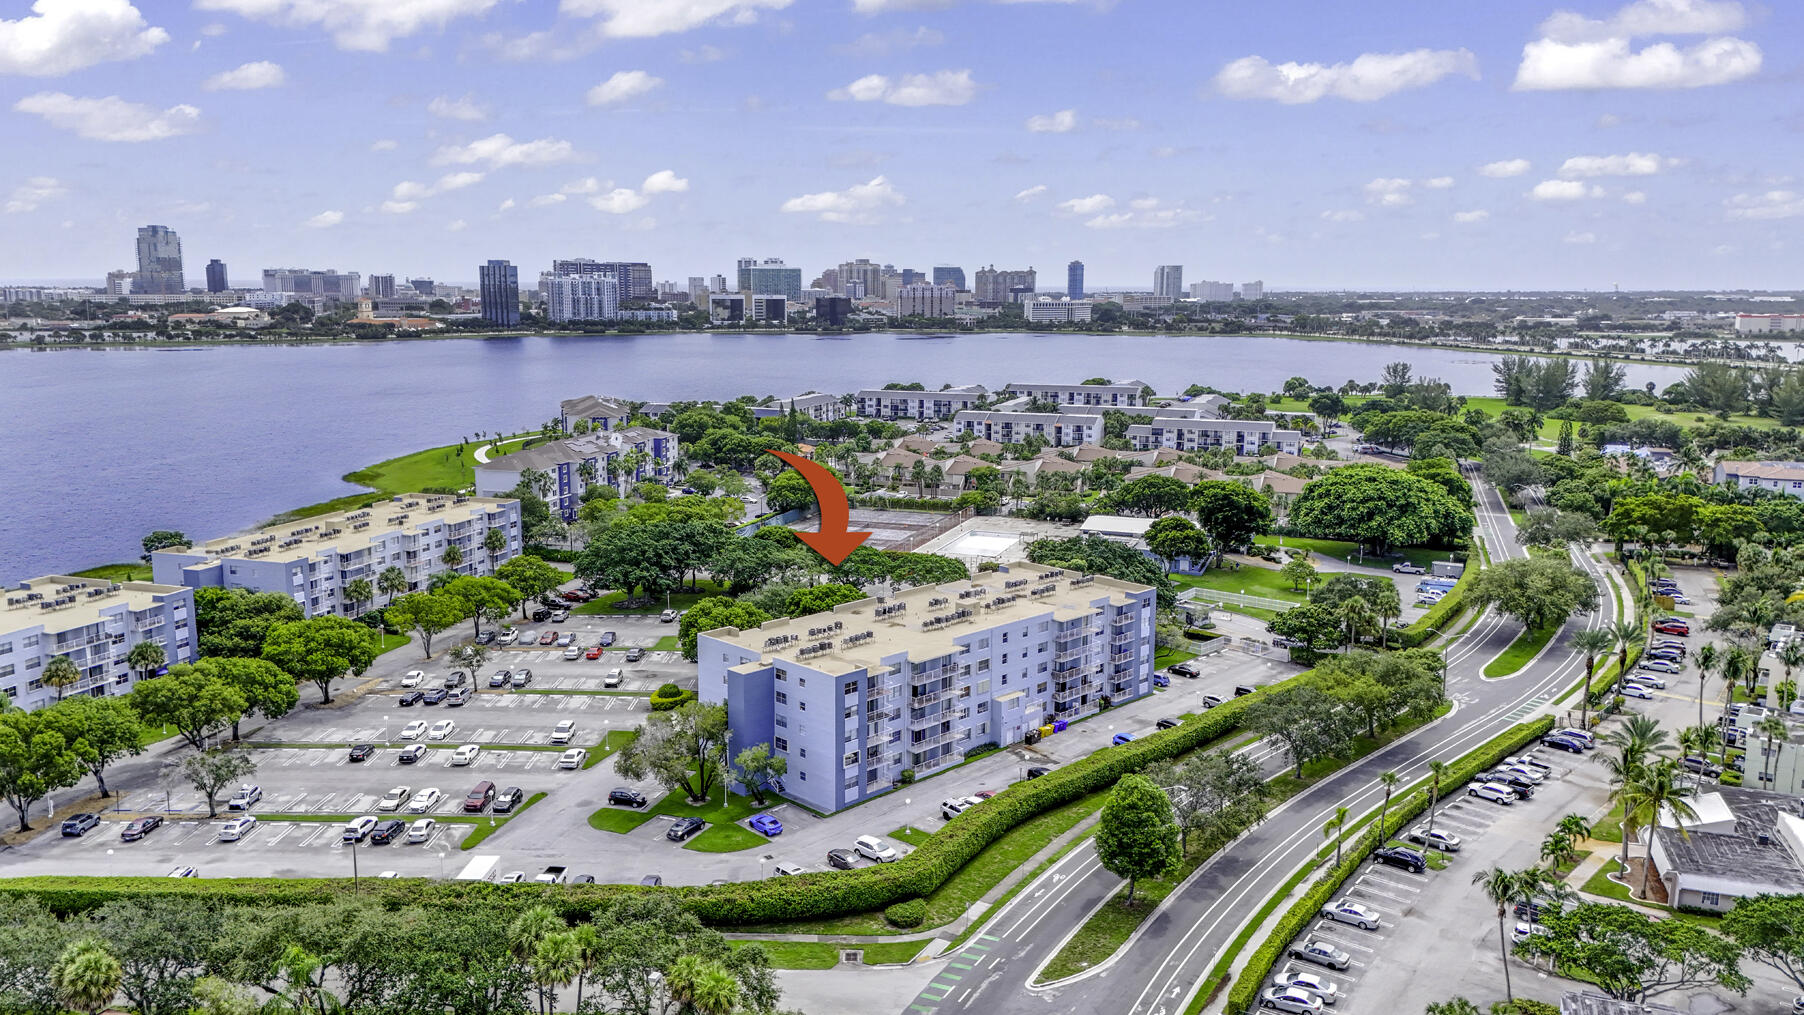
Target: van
[(481, 795), (1245, 689), (458, 697)]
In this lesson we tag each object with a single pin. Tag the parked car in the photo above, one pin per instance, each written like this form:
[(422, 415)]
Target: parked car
[(77, 825), (1678, 627), (1649, 680), (1581, 736), (246, 798), (500, 678), (1185, 670), (786, 870), (1444, 841), (358, 829), (410, 699), (508, 637), (363, 752), (1494, 792), (572, 758), (486, 638), (1290, 999), (843, 859), (612, 679), (541, 615), (395, 799), (1405, 567), (1530, 761), (607, 638), (565, 640), (508, 799), (1347, 911), (1563, 743), (559, 615), (528, 638), (387, 832), (1322, 954), (1036, 771), (511, 878), (411, 753), (593, 653), (1629, 690), (652, 880), (1161, 680), (1672, 643), (1211, 700), (138, 828), (1671, 655), (1524, 931), (1169, 723), (1534, 775), (184, 872), (563, 731), (523, 676), (458, 678), (1121, 738), (1519, 786), (683, 828), (425, 800), (1702, 766), (421, 830), (548, 638), (954, 806), (1658, 666), (872, 848), (412, 678), (635, 654), (766, 825), (667, 617), (479, 797), (1313, 983), (434, 696), (1399, 857), (465, 755), (237, 828), (441, 729)]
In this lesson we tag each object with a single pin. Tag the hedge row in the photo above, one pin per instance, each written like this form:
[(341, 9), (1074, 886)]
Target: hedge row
[(1443, 613), (1245, 994)]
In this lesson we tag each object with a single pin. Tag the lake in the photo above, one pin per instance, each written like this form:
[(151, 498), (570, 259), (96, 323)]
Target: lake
[(104, 445)]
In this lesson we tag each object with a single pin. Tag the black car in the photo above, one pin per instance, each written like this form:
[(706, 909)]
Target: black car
[(1186, 670), (1564, 744), (411, 698), (1516, 783), (607, 638), (1168, 723), (844, 859), (1397, 856), (499, 678), (486, 638), (541, 615), (1037, 771), (1702, 766), (457, 679), (635, 654), (651, 880), (388, 831), (583, 879), (1530, 911), (626, 797), (141, 827), (683, 828), (80, 824), (435, 696), (363, 752)]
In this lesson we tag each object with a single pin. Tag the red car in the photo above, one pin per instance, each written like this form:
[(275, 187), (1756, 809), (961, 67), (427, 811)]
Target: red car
[(594, 653), (1678, 627), (548, 638), (573, 597)]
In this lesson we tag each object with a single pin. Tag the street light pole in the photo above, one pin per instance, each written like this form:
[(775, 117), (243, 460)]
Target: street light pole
[(356, 885)]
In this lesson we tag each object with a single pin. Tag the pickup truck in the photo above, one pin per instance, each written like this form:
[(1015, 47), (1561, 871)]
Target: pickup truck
[(555, 875)]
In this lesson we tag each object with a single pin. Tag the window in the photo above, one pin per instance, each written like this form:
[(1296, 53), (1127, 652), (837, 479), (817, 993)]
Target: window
[(851, 712), (801, 681), (6, 648), (803, 752), (782, 699), (982, 707), (782, 743), (29, 641), (782, 721), (1005, 657), (803, 706), (983, 665), (851, 687), (804, 775), (983, 687), (782, 674), (851, 759), (1712, 898), (1041, 689)]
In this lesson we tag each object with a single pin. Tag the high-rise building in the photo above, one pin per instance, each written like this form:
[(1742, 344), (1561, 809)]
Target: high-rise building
[(1168, 281), (382, 287), (947, 274), (769, 276), (717, 284), (1074, 280), (634, 276), (743, 273), (159, 261), (328, 283), (1212, 292), (698, 290), (422, 286), (216, 276), (1252, 290), (923, 300), (998, 287), (499, 282), (832, 310), (582, 297), (911, 276), (862, 271), (119, 282)]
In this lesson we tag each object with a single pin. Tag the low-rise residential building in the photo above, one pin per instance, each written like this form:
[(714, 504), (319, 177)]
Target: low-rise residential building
[(314, 559), (95, 624), (855, 697), (599, 411), (1785, 477), (1114, 395), (815, 405), (897, 403), (1241, 436), (617, 457), (1060, 429), (1766, 324), (1742, 842)]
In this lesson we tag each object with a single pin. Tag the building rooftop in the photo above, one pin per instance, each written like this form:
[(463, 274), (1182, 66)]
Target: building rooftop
[(925, 621), (585, 406), (597, 444), (60, 602), (341, 531), (1764, 470), (1741, 853)]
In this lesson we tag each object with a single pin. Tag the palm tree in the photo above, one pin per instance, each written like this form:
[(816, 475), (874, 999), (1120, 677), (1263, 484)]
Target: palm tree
[(701, 986), (392, 581), (1708, 659), (86, 976), (60, 672), (556, 960), (1628, 634), (1356, 616), (1738, 668), (1332, 827), (1389, 781), (453, 556), (144, 657), (1595, 643), (533, 923), (1770, 727), (494, 541), (1661, 788), (1436, 769), (1574, 825), (588, 954), (358, 590), (1501, 887)]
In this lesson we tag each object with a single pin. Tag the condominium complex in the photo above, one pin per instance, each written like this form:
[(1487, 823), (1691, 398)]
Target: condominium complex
[(895, 403), (500, 286), (946, 274), (381, 287), (1243, 437), (1060, 429), (95, 624), (1252, 290), (159, 261), (314, 559), (1006, 286), (328, 283), (581, 297), (770, 307), (599, 411), (618, 458), (1784, 477), (867, 275), (1115, 395), (1759, 324), (815, 405), (634, 276), (1168, 282), (1212, 292), (923, 300), (912, 681), (1047, 310)]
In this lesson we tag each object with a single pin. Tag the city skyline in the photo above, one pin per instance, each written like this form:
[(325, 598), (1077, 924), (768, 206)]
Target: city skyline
[(1563, 146)]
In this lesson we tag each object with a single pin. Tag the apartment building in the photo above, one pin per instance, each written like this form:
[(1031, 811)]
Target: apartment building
[(923, 300), (894, 404), (854, 697), (315, 558), (1212, 292), (329, 283), (599, 458), (817, 406), (1047, 310), (1785, 477), (1119, 395), (95, 624), (1168, 282), (581, 297), (1006, 286), (1766, 324), (1060, 429), (599, 411), (1241, 436)]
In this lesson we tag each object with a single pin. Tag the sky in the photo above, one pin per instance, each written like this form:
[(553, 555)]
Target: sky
[(1382, 144)]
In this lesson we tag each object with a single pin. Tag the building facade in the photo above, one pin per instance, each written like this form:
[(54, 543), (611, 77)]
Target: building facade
[(159, 261), (1252, 290), (314, 559), (381, 287), (1766, 324), (1047, 310), (724, 307), (894, 404), (1243, 437), (947, 274), (634, 276), (816, 405), (1782, 477), (599, 411), (770, 307), (499, 284), (1118, 395), (619, 458), (95, 624), (582, 298), (328, 283), (924, 300), (1168, 282), (1060, 429), (832, 310), (1074, 280), (1212, 292), (910, 682), (216, 276), (862, 271), (770, 275), (1006, 286)]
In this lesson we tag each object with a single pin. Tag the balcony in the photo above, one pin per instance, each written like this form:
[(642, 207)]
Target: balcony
[(931, 697), (934, 740), (1124, 639), (1117, 658), (924, 717), (1076, 691)]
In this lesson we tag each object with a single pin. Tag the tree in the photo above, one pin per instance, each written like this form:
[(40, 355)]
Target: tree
[(321, 649), (490, 599), (789, 491), (1136, 837), (267, 690), (1304, 719), (234, 622), (192, 698), (684, 748), (1093, 554), (162, 946), (711, 613), (495, 540), (1553, 528), (1541, 592), (745, 564), (61, 673), (1231, 513), (1174, 536), (1437, 770), (427, 614), (530, 577), (1389, 781), (1451, 1006), (453, 556), (393, 581), (1634, 957), (34, 759), (86, 976), (759, 769), (358, 591), (1502, 888), (1770, 930), (1594, 644), (1379, 507), (1317, 627), (1331, 829), (212, 771), (144, 657), (1153, 495), (1214, 794), (99, 731), (161, 539), (1299, 572)]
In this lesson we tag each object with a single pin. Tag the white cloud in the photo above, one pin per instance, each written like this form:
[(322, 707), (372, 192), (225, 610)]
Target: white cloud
[(1087, 205), (1580, 238), (1369, 77), (1147, 215), (1438, 182), (861, 204), (386, 144), (941, 88), (408, 193), (1632, 164), (1564, 190), (366, 25), (1634, 197), (35, 191), (399, 207), (619, 201), (499, 150), (1504, 168), (875, 44), (248, 77), (456, 225), (623, 85), (586, 185), (1030, 193), (1056, 123), (505, 205), (325, 220), (466, 109), (60, 36), (1579, 52), (111, 118), (1389, 191), (1476, 215), (1773, 204), (1344, 215), (1144, 203), (640, 19), (703, 54), (879, 6), (664, 182), (213, 30), (546, 200)]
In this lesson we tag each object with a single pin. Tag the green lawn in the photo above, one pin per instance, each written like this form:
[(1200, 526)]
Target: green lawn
[(484, 830), (678, 600), (725, 838), (1348, 552), (451, 467), (668, 643), (1550, 428), (1600, 884), (1524, 648), (736, 808), (116, 573), (618, 819), (1609, 827), (156, 735), (1249, 580), (390, 642), (614, 741), (1170, 657), (911, 835), (795, 954)]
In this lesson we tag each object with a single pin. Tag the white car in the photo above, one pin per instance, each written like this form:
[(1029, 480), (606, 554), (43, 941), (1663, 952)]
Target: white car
[(612, 679), (465, 755), (1322, 954), (1580, 735), (1309, 983), (245, 798), (1290, 999), (529, 637), (872, 848), (1348, 911), (1524, 931), (1533, 775), (441, 729), (511, 878), (1659, 666), (1637, 691), (1531, 761), (421, 829), (394, 799), (572, 652), (1497, 793), (952, 808), (358, 829), (563, 731), (1649, 680), (412, 730), (412, 678), (1446, 842), (572, 758), (237, 828), (508, 637), (425, 800)]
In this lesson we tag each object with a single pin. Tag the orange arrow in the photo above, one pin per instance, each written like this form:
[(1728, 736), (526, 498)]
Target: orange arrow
[(832, 542)]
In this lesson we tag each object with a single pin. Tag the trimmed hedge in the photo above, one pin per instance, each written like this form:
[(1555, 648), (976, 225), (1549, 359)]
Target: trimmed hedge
[(907, 914), (1443, 613), (663, 701), (1245, 994), (1530, 1006)]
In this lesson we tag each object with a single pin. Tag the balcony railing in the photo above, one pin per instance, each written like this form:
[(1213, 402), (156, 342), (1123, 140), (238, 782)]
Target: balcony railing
[(919, 700), (937, 739), (1124, 639)]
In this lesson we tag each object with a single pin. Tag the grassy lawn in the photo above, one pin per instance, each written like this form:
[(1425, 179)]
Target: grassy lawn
[(1578, 857), (451, 467), (1171, 657), (390, 642), (1348, 552), (618, 819), (156, 735), (668, 643), (678, 600), (1600, 884), (1249, 580), (116, 573), (724, 838), (1110, 927), (736, 808), (796, 954), (614, 741), (1524, 648), (911, 835), (1609, 827), (893, 951)]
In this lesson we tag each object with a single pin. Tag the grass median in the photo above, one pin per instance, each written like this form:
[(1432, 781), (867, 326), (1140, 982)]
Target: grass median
[(1527, 645)]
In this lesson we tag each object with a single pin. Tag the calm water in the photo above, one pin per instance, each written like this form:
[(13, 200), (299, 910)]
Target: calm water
[(101, 446)]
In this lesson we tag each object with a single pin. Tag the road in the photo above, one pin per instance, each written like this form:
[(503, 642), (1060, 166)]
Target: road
[(1164, 965)]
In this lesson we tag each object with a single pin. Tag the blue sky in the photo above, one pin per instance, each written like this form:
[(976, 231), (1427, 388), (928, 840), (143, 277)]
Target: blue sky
[(1384, 144)]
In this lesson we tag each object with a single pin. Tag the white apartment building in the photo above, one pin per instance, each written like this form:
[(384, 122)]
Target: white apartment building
[(1212, 292), (926, 300), (817, 406), (1252, 290), (894, 404), (1241, 436), (1047, 310), (598, 458), (1784, 477), (1766, 324), (1116, 395), (582, 297), (854, 697), (1168, 282), (95, 624), (315, 558), (1060, 429)]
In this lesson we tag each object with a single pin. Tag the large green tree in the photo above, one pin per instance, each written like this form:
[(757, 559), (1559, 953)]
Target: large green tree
[(234, 622), (99, 731), (1136, 836), (427, 614), (1540, 591), (1379, 507), (35, 758), (1232, 513), (1634, 957), (1770, 930), (711, 613), (490, 599), (530, 577), (321, 650), (267, 689), (1308, 722), (683, 749), (212, 771), (192, 698)]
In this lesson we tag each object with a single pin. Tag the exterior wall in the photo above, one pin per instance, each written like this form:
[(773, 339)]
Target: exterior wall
[(499, 477), (821, 407), (1791, 485), (1115, 395), (1243, 437), (97, 642), (1059, 429), (1042, 311), (879, 403)]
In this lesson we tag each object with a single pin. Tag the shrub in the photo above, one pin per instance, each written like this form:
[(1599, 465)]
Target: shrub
[(982, 749), (669, 696), (1530, 1006), (907, 914), (908, 777), (667, 691)]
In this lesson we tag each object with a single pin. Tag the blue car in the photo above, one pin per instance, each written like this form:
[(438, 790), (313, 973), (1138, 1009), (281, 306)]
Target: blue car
[(1161, 680), (764, 823), (1121, 738)]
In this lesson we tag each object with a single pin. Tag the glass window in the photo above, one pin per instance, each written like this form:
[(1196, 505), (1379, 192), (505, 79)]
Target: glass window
[(782, 743), (782, 699)]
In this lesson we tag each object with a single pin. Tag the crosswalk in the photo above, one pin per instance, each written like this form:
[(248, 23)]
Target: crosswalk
[(950, 979)]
